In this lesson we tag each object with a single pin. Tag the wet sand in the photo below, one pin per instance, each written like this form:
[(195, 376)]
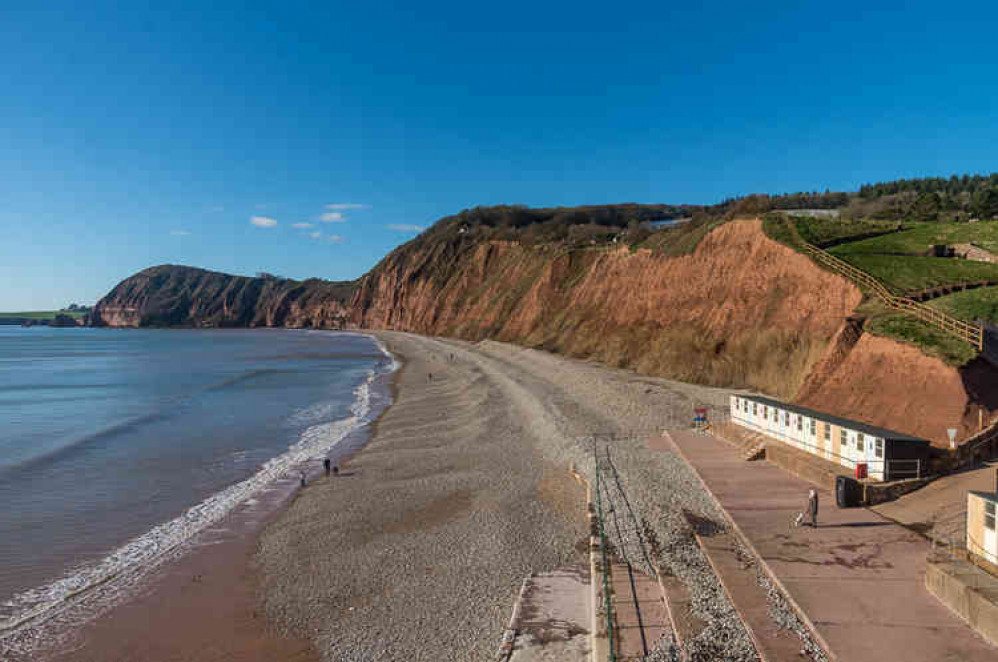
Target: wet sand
[(202, 607)]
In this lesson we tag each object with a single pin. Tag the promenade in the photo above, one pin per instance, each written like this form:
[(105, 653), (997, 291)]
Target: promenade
[(859, 577)]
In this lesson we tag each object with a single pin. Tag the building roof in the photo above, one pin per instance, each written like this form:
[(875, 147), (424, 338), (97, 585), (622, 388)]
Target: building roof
[(990, 496), (865, 428)]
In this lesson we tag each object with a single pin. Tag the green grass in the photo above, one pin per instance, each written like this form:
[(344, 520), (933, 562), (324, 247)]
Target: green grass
[(682, 239), (823, 231), (929, 340), (776, 228), (42, 314), (908, 273), (920, 238), (970, 305)]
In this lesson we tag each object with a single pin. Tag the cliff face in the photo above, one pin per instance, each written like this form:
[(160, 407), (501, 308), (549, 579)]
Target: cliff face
[(741, 310), (171, 295)]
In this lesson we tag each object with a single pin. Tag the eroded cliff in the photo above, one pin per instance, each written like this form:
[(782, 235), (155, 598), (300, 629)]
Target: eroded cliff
[(171, 295), (741, 310)]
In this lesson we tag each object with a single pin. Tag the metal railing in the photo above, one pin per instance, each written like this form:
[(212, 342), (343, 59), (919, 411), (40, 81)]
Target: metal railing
[(971, 333), (606, 563)]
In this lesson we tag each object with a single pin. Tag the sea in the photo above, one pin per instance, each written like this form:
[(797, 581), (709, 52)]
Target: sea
[(119, 446)]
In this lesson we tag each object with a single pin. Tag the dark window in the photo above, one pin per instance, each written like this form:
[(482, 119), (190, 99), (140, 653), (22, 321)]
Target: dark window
[(989, 515)]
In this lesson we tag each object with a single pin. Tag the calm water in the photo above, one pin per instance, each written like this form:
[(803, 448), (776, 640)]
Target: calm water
[(118, 444)]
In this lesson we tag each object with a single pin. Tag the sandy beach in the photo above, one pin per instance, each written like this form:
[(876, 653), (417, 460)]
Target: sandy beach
[(417, 551)]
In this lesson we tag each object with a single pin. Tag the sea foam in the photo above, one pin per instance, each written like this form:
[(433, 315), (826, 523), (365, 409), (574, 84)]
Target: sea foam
[(24, 617)]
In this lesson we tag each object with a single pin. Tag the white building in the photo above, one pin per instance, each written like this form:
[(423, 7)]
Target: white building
[(982, 532), (865, 450)]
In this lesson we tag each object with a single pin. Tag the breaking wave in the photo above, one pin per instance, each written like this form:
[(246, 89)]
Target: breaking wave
[(23, 616)]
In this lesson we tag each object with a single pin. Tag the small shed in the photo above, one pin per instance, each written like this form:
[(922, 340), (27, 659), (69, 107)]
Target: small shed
[(868, 450), (982, 537)]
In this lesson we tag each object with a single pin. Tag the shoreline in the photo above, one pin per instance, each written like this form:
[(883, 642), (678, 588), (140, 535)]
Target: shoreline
[(161, 610), (458, 505)]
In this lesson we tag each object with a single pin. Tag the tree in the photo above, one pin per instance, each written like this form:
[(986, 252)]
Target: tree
[(985, 203), (927, 207)]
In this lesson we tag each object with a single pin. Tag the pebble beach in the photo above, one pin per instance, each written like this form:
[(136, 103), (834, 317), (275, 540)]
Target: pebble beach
[(417, 550)]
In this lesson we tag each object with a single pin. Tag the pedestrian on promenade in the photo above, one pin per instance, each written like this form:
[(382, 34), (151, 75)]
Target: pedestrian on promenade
[(326, 463), (812, 506)]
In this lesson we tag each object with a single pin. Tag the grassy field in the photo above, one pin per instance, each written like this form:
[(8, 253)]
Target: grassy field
[(908, 273), (929, 340), (970, 305), (824, 231), (920, 238), (42, 314)]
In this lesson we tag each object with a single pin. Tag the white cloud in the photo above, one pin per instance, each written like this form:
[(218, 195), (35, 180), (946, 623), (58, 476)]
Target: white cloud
[(315, 235), (179, 233), (335, 238), (344, 206), (263, 222), (332, 217), (302, 226), (405, 227)]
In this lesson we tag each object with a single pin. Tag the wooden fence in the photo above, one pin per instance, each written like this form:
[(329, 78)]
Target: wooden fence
[(971, 333)]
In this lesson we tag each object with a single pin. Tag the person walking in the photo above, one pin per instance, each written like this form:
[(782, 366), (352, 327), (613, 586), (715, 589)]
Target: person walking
[(326, 463), (302, 478), (812, 506)]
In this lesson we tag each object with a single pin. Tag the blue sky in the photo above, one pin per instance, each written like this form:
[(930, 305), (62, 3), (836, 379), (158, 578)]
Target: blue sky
[(133, 136)]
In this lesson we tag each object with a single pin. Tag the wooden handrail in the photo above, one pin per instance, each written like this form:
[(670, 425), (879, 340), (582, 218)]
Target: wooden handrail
[(971, 333)]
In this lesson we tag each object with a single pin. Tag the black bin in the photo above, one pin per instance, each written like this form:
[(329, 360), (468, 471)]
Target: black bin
[(848, 492)]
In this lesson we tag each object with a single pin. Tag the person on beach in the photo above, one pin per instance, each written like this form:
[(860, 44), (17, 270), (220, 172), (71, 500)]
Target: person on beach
[(336, 471), (812, 506), (303, 479), (326, 463)]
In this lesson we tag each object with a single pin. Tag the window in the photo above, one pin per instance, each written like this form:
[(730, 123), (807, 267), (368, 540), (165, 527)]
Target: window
[(814, 428), (878, 448), (765, 413), (989, 515), (753, 409), (800, 422), (843, 438), (859, 442), (774, 414), (828, 432)]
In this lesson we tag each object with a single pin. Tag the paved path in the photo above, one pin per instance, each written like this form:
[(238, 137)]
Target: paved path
[(858, 577), (639, 632), (554, 615)]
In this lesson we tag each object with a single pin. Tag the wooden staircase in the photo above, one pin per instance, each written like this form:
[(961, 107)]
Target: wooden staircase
[(756, 450)]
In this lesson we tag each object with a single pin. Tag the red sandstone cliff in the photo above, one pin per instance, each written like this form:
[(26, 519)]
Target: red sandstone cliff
[(741, 310)]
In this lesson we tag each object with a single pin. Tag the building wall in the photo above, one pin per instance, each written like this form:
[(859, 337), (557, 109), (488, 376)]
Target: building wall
[(796, 430), (979, 542)]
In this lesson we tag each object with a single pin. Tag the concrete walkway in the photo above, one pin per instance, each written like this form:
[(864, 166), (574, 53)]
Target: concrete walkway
[(858, 577), (552, 618)]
